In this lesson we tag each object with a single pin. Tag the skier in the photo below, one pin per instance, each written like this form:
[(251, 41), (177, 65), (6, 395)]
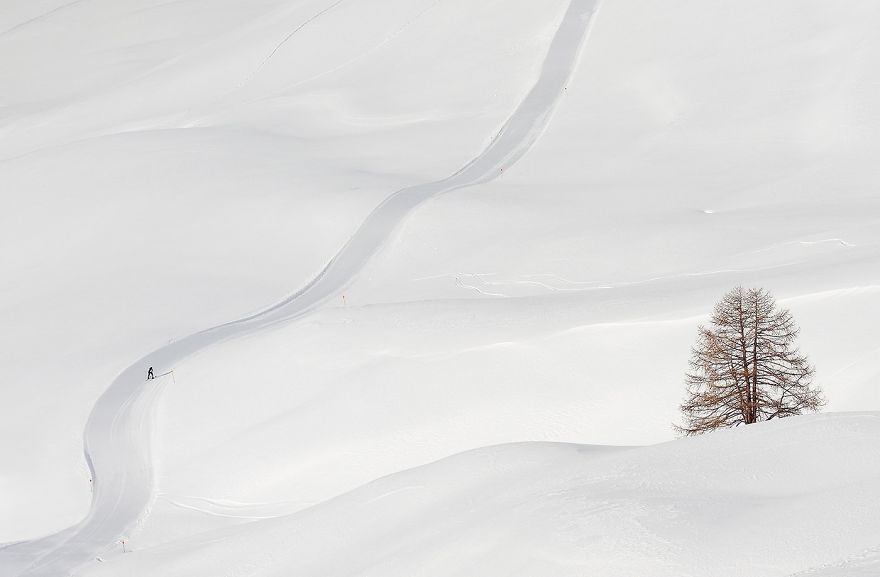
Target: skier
[(150, 374)]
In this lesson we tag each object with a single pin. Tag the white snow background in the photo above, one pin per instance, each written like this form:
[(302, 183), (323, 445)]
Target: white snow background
[(508, 218)]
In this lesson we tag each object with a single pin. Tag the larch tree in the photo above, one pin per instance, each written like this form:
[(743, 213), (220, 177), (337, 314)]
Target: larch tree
[(745, 367)]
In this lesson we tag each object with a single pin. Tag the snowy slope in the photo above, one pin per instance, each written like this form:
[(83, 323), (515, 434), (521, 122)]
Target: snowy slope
[(118, 435), (176, 166), (790, 495), (505, 313), (143, 203)]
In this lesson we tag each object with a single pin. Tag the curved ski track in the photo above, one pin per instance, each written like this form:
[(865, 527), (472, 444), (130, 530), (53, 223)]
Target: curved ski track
[(117, 435)]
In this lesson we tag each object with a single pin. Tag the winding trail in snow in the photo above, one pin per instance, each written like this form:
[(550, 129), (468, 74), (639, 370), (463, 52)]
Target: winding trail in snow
[(118, 432)]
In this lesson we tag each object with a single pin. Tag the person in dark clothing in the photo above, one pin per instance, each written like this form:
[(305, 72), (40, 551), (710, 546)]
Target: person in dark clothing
[(150, 374)]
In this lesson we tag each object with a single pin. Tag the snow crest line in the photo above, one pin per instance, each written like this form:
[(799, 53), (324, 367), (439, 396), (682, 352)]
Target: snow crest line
[(117, 437)]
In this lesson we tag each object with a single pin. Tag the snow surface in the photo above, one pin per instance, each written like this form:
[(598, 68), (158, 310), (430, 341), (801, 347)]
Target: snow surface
[(174, 166), (671, 509), (147, 253)]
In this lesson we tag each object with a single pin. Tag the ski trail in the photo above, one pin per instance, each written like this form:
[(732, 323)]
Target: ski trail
[(117, 434), (365, 53), (39, 17), (284, 41)]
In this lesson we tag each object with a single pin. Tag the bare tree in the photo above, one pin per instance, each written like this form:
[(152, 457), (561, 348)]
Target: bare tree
[(745, 367)]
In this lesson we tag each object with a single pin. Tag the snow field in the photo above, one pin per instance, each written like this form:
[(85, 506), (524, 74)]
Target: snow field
[(142, 185), (167, 178)]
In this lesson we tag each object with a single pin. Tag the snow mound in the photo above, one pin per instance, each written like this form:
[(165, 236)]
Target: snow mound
[(791, 494)]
